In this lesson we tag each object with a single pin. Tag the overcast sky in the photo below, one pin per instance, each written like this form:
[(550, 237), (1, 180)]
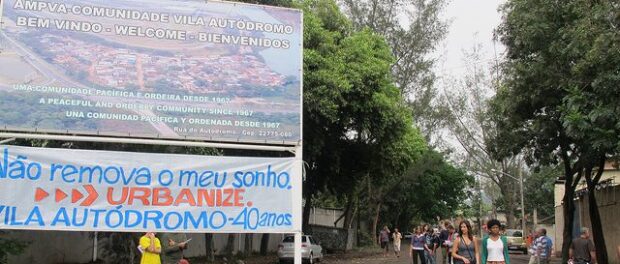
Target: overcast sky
[(472, 21)]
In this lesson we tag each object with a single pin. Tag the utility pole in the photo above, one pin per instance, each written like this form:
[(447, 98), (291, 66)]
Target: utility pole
[(523, 223), (479, 190)]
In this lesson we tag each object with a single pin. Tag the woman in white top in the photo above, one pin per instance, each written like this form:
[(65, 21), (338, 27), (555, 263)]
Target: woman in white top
[(396, 237), (495, 246)]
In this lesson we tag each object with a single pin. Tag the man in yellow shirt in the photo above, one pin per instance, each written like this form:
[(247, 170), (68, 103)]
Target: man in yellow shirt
[(151, 247)]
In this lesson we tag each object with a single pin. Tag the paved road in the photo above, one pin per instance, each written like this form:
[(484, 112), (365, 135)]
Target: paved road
[(379, 259)]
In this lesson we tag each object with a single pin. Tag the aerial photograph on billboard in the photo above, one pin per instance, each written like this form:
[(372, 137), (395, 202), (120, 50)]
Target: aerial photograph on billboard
[(200, 70)]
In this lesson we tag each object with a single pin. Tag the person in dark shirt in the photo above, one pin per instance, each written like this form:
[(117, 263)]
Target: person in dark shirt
[(582, 249), (384, 239), (443, 236), (173, 246), (431, 243)]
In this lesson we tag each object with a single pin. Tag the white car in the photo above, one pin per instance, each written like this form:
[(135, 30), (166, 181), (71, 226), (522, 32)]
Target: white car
[(311, 251)]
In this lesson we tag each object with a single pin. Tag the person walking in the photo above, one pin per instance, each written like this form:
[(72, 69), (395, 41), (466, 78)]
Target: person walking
[(532, 248), (443, 236), (582, 249), (465, 247), (417, 246), (150, 246), (543, 246), (396, 238), (447, 244), (495, 246), (384, 239), (430, 246)]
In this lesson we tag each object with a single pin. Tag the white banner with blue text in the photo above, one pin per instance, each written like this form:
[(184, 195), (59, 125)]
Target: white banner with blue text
[(85, 190)]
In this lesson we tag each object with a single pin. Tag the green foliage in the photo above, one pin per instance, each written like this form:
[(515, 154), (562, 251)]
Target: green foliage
[(9, 246), (571, 104), (412, 46), (365, 239), (435, 188), (431, 188), (539, 190), (358, 127), (328, 200), (350, 103), (559, 96)]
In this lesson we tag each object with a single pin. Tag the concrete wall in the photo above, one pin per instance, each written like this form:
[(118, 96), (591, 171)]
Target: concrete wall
[(326, 217), (608, 200), (77, 247)]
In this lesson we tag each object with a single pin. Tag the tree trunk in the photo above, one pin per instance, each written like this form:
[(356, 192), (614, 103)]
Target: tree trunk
[(597, 228), (230, 246), (568, 208), (248, 245), (375, 222), (264, 244), (348, 214), (306, 217), (209, 247), (507, 190)]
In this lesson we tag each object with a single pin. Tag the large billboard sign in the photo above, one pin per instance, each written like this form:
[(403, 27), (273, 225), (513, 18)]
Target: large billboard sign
[(77, 190), (203, 70)]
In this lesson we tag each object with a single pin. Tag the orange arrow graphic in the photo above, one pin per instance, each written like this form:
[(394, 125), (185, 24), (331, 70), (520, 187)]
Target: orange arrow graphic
[(92, 195), (40, 194), (60, 195), (76, 196)]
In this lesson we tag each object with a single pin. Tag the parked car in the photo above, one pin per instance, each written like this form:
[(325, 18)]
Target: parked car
[(311, 250), (515, 240), (407, 235)]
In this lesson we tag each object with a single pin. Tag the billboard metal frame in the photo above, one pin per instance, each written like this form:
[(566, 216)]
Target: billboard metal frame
[(298, 167), (148, 141), (293, 147)]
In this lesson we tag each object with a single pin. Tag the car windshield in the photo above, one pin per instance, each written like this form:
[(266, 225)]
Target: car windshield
[(514, 233), (291, 239)]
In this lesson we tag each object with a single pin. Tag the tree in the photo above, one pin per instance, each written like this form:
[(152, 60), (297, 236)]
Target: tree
[(412, 45), (473, 123), (430, 188), (209, 247), (230, 247), (358, 135), (539, 190), (562, 64), (388, 171), (248, 245), (353, 114)]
